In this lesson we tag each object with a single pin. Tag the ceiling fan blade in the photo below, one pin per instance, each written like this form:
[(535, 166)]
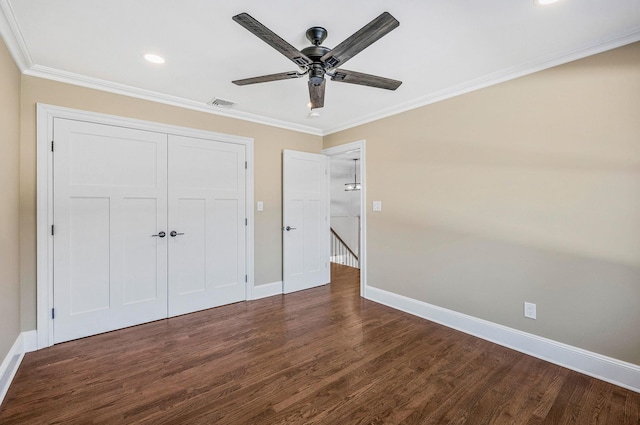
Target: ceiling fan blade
[(267, 78), (272, 39), (363, 38), (353, 77), (316, 95)]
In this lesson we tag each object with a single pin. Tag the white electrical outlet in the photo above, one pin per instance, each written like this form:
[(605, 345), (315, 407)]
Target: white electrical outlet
[(530, 310), (377, 205)]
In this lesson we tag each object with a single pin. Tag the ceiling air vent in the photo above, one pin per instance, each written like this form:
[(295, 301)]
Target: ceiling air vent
[(221, 103)]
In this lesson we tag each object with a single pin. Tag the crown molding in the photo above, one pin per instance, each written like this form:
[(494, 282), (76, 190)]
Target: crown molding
[(541, 64), (125, 90), (10, 32), (12, 36)]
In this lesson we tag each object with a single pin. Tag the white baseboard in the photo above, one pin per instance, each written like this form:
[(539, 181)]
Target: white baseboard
[(617, 372), (30, 341), (10, 365), (267, 290)]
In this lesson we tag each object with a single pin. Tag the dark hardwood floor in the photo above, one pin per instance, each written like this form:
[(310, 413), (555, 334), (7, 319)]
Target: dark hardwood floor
[(321, 356)]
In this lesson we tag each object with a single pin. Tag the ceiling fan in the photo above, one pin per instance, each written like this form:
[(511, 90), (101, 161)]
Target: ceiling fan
[(318, 61)]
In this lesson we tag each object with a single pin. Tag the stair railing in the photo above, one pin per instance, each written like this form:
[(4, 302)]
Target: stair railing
[(341, 253)]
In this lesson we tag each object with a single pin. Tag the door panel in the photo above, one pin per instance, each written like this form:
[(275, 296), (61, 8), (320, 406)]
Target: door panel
[(188, 251), (89, 265), (110, 198), (306, 209), (120, 159), (225, 226), (207, 204), (140, 258)]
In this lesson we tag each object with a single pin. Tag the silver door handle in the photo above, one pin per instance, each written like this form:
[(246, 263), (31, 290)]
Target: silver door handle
[(160, 235), (289, 228), (173, 234)]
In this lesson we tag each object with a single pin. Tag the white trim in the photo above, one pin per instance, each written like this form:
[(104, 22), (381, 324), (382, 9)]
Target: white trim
[(44, 216), (153, 96), (10, 32), (362, 146), (44, 194), (30, 340), (10, 365), (495, 78), (267, 290), (611, 370), (250, 230)]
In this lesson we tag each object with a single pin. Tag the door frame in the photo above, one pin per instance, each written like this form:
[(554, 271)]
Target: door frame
[(362, 146), (45, 115)]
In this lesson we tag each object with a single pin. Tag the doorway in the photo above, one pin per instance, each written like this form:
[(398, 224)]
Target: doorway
[(348, 212)]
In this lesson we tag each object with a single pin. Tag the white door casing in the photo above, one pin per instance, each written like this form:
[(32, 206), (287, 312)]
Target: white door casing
[(362, 255), (207, 214), (110, 198), (305, 197)]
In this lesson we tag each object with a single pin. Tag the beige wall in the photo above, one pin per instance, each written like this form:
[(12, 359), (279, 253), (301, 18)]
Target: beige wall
[(9, 199), (268, 145), (524, 191)]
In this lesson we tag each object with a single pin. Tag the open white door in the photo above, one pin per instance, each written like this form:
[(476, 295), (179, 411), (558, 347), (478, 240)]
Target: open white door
[(305, 220)]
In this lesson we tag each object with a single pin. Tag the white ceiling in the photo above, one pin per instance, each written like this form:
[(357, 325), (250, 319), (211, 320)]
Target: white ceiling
[(441, 48)]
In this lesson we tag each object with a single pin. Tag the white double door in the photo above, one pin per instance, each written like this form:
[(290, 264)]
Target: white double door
[(146, 226)]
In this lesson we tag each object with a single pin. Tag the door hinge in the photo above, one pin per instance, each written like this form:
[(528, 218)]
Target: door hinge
[(52, 232), (53, 313), (246, 222), (246, 278), (246, 165), (52, 146)]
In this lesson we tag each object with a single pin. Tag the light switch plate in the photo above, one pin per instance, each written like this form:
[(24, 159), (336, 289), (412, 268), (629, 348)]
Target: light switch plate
[(377, 205), (260, 206)]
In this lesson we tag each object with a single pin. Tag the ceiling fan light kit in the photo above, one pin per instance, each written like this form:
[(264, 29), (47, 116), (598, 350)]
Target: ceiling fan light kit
[(318, 61)]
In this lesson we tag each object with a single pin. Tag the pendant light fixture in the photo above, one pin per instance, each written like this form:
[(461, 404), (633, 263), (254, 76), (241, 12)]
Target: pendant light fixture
[(355, 185)]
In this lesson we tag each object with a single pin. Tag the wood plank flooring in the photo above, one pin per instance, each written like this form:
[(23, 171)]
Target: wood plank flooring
[(321, 356)]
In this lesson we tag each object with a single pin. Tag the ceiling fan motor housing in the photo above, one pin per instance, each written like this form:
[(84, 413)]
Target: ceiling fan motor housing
[(316, 74), (315, 52)]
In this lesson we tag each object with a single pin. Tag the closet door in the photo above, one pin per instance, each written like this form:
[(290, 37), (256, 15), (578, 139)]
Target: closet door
[(207, 228), (110, 203)]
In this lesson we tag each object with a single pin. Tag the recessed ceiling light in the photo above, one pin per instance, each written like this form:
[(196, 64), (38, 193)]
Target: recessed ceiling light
[(544, 2), (314, 114), (154, 58)]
